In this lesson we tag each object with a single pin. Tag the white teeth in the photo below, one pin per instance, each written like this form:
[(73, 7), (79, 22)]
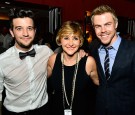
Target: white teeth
[(103, 35)]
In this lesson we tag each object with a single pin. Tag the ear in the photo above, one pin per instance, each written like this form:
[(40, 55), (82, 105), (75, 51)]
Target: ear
[(116, 25), (11, 32), (81, 43), (35, 30), (59, 44)]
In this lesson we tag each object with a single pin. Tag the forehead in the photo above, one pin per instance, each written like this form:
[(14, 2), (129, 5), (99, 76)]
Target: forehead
[(70, 34), (103, 18), (23, 22)]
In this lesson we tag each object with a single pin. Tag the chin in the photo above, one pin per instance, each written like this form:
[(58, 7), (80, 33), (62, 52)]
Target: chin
[(105, 41), (26, 46), (71, 54)]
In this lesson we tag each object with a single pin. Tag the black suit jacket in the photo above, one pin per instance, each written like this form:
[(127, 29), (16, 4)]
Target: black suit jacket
[(117, 96), (2, 49)]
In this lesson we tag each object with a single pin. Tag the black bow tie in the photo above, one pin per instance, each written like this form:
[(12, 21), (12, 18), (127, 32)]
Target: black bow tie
[(29, 53)]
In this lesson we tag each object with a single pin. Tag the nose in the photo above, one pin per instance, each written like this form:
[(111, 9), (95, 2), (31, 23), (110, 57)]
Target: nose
[(25, 32), (103, 29), (71, 42)]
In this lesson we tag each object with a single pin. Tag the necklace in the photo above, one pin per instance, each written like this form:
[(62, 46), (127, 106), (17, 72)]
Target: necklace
[(73, 83)]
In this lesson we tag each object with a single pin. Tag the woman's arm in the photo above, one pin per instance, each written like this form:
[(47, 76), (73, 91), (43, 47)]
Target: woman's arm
[(91, 70), (50, 64)]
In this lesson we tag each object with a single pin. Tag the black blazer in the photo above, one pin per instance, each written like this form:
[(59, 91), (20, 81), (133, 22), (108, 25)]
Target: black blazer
[(2, 49), (117, 96)]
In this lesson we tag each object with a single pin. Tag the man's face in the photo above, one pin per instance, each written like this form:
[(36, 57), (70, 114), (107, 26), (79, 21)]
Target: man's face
[(105, 28), (23, 32)]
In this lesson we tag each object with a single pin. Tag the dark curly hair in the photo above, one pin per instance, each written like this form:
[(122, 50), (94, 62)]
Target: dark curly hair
[(20, 13)]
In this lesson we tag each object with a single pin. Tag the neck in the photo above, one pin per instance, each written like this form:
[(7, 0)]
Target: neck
[(69, 60), (22, 48)]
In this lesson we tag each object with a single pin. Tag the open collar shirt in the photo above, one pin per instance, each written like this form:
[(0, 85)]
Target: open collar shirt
[(25, 80)]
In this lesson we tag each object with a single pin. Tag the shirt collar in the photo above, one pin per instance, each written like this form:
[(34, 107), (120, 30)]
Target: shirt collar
[(18, 50), (115, 45)]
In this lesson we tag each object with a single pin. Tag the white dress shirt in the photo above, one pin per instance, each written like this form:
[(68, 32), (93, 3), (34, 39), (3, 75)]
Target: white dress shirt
[(24, 80)]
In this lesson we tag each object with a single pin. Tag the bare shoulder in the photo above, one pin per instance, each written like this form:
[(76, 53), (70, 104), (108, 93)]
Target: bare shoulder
[(52, 60), (53, 56), (50, 64), (91, 69), (90, 59), (90, 64)]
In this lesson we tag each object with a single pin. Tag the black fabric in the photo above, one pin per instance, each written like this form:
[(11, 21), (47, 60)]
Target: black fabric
[(39, 111), (2, 49), (85, 90), (29, 53), (117, 95)]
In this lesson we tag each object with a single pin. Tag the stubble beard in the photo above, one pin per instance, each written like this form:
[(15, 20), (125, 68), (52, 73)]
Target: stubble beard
[(24, 46), (107, 44)]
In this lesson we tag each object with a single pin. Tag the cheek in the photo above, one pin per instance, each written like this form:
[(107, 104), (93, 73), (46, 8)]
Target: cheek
[(63, 42), (77, 43), (16, 35), (97, 32), (32, 33)]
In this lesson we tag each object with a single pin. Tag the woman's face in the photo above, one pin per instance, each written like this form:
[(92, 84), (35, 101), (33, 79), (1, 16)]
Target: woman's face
[(70, 43)]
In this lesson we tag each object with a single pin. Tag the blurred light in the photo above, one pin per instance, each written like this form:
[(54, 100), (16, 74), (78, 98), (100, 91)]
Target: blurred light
[(4, 16), (7, 2), (2, 7), (89, 36), (88, 13)]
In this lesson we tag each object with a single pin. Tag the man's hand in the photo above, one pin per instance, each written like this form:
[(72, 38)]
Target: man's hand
[(82, 53)]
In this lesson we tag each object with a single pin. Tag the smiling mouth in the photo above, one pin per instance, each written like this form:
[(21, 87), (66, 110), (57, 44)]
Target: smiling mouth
[(25, 37)]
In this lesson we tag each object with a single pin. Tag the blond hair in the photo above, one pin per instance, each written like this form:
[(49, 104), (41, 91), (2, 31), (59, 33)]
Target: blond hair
[(104, 9), (69, 27)]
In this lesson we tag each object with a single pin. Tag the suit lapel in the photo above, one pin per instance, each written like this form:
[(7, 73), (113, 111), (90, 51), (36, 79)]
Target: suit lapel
[(118, 59), (99, 66)]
